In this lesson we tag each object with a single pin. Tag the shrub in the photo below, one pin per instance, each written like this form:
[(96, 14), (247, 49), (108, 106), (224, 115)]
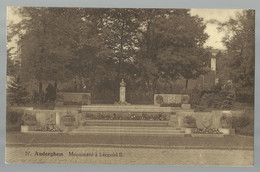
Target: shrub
[(243, 125), (248, 130), (207, 100), (226, 122), (17, 93), (195, 97), (240, 122), (13, 117), (217, 100), (245, 97), (49, 105), (202, 109), (185, 99), (29, 119)]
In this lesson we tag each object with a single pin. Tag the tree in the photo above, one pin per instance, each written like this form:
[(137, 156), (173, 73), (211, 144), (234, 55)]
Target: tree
[(47, 38), (92, 58), (11, 68), (240, 43), (145, 69), (170, 46), (120, 27), (185, 55), (17, 92), (223, 70), (177, 39), (100, 46)]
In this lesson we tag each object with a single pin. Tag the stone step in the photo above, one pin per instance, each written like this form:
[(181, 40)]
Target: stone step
[(127, 131), (123, 129), (115, 130), (124, 123), (132, 108), (143, 133)]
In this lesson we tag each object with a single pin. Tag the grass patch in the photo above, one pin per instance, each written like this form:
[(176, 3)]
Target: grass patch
[(245, 125)]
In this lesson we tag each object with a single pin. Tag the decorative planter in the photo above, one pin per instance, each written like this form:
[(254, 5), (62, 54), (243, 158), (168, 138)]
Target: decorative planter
[(189, 122), (226, 122)]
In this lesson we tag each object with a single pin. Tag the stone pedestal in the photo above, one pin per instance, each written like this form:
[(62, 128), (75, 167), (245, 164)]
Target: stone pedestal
[(27, 128), (185, 106), (122, 91), (57, 119), (173, 122), (122, 94)]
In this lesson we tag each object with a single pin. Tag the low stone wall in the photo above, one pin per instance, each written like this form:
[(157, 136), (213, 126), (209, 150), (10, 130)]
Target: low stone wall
[(206, 119), (64, 98), (67, 119), (58, 118)]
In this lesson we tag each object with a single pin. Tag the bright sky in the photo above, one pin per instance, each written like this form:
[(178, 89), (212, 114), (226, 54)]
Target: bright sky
[(215, 36), (222, 15)]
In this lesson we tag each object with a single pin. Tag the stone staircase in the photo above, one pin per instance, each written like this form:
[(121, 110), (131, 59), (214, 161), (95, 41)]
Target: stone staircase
[(114, 127), (124, 123)]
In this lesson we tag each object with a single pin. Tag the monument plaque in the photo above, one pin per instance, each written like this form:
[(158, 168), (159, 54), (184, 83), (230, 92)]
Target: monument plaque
[(171, 98)]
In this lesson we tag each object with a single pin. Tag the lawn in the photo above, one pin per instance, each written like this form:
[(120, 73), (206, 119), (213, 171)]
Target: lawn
[(227, 142)]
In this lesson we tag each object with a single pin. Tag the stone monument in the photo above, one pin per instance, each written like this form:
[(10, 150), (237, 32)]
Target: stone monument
[(122, 91)]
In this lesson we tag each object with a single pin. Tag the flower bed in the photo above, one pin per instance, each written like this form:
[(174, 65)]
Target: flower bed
[(125, 116), (49, 128), (206, 131)]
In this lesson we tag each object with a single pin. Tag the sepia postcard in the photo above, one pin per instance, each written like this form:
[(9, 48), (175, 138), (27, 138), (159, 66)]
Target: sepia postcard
[(130, 86)]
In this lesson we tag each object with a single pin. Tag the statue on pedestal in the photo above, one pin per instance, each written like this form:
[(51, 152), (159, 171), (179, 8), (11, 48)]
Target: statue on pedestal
[(122, 93), (122, 83)]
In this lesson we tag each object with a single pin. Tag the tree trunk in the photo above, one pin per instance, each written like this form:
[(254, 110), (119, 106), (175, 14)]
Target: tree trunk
[(121, 50), (56, 84), (186, 86), (40, 88)]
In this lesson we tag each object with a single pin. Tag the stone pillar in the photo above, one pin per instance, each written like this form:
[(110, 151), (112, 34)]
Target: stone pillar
[(173, 122), (122, 91), (58, 119)]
